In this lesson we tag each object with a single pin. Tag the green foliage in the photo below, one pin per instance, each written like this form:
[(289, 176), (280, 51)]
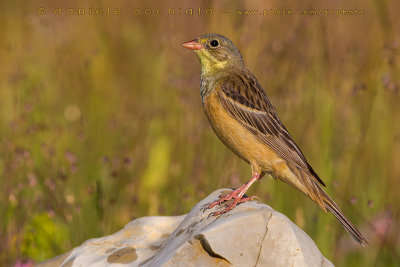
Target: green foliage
[(155, 176), (43, 237)]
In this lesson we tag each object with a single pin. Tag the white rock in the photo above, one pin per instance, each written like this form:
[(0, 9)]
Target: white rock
[(252, 234)]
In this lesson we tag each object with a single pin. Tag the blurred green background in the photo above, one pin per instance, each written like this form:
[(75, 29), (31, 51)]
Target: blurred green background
[(101, 120)]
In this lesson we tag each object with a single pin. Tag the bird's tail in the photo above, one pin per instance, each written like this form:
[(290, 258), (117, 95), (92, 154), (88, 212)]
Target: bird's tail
[(311, 187), (334, 209)]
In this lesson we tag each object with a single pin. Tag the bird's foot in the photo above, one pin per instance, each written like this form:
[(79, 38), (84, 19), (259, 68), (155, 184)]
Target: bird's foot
[(233, 195), (236, 195), (229, 207)]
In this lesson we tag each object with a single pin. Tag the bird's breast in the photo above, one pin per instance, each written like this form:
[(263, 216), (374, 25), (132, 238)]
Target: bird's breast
[(235, 136)]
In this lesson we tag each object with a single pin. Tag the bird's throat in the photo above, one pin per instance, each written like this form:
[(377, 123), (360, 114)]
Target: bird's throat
[(209, 64)]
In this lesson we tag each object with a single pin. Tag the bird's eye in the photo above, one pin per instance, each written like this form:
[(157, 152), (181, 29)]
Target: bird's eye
[(214, 43)]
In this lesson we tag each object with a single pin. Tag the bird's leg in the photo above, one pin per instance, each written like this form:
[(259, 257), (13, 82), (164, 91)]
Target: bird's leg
[(236, 195)]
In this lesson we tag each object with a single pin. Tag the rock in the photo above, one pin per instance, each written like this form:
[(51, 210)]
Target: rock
[(252, 234)]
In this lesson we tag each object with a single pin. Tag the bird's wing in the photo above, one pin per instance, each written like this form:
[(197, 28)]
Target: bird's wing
[(245, 100)]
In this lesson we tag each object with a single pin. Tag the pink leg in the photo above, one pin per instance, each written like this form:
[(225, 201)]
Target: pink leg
[(236, 195)]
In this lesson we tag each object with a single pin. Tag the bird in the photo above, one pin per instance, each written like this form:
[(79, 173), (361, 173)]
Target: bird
[(243, 117)]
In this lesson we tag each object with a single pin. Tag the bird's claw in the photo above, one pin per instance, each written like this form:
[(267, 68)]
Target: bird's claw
[(229, 207), (210, 205), (218, 202), (254, 197), (212, 214)]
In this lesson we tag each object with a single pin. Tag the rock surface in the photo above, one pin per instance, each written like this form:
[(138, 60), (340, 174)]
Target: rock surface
[(252, 234)]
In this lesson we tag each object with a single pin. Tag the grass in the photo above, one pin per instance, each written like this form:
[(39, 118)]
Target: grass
[(101, 122)]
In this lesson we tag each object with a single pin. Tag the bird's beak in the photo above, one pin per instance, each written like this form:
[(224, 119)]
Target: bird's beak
[(193, 45)]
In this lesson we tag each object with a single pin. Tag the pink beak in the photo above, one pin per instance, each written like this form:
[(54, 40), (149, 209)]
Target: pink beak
[(192, 45)]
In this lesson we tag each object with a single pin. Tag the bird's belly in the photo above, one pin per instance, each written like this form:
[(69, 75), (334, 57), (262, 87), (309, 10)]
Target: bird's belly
[(235, 136)]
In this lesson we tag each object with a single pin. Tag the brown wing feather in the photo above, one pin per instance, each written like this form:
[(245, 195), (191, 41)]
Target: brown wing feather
[(245, 100)]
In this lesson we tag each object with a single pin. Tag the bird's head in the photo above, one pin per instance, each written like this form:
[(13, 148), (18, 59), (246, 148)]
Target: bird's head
[(215, 52)]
